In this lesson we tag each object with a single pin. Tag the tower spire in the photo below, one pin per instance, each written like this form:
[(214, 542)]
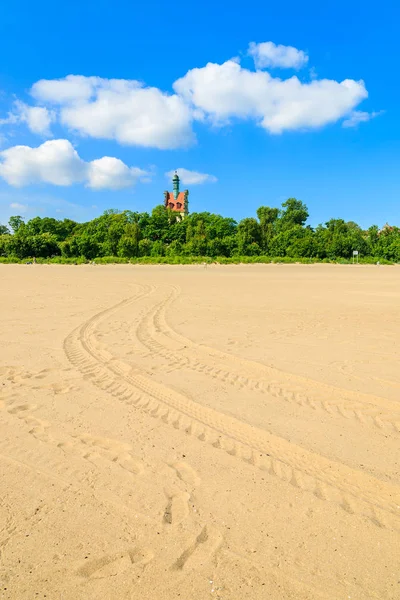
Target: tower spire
[(175, 183)]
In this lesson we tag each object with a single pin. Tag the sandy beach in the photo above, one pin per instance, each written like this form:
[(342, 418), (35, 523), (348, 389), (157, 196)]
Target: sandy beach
[(190, 432)]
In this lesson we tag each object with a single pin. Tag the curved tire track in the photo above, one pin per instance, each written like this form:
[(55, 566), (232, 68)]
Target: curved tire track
[(380, 412), (354, 491)]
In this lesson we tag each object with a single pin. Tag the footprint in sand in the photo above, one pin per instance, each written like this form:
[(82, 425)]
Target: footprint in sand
[(38, 427), (19, 409), (177, 509), (46, 379), (13, 374), (186, 473), (116, 452), (117, 564), (201, 551)]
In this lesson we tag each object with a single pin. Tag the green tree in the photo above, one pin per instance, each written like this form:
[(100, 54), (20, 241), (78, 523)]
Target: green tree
[(157, 248), (86, 246), (294, 212), (128, 244), (175, 248), (44, 245), (158, 224), (16, 223), (267, 217), (145, 247), (249, 233), (132, 234), (6, 245)]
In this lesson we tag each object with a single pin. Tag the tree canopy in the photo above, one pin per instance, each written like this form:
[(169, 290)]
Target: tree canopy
[(275, 233)]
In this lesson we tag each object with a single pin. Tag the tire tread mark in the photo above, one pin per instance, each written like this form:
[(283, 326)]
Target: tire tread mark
[(368, 412), (326, 479)]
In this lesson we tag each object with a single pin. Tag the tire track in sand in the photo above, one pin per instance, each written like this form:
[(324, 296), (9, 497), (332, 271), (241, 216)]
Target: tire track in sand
[(83, 445), (155, 333), (354, 491)]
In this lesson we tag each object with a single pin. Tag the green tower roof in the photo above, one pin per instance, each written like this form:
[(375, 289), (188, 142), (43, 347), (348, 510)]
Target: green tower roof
[(175, 183)]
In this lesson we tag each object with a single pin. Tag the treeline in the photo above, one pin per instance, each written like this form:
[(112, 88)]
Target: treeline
[(131, 235)]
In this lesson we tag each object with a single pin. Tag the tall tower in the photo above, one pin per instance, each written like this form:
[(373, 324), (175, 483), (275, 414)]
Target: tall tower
[(175, 185), (177, 200)]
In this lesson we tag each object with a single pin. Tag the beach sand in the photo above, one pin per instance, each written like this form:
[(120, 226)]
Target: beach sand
[(190, 432)]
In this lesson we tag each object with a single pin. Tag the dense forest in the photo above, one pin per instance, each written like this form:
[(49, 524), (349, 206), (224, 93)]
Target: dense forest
[(160, 237)]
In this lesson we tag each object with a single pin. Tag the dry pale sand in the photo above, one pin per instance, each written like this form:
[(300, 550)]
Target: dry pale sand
[(229, 432)]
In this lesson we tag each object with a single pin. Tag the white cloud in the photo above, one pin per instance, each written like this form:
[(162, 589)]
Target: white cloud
[(227, 91), (268, 54), (73, 88), (192, 177), (132, 113), (38, 118), (119, 109), (358, 116), (57, 162), (112, 174), (17, 206)]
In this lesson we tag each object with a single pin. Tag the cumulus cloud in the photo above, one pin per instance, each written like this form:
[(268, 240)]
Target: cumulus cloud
[(268, 54), (57, 162), (132, 113), (73, 88), (192, 177), (359, 116), (112, 174), (119, 109), (38, 118), (227, 91)]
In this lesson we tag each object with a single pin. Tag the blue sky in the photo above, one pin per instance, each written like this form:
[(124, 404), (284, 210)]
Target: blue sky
[(263, 122)]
